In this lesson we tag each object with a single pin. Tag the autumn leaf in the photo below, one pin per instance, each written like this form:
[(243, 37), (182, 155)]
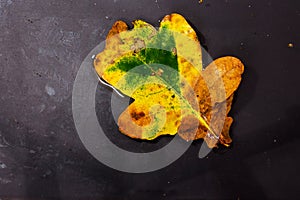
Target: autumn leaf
[(162, 71)]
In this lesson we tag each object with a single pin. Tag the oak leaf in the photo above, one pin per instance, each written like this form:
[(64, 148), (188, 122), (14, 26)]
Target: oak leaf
[(161, 69)]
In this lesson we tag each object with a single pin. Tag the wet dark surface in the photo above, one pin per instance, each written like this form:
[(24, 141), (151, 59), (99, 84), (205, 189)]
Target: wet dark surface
[(42, 44)]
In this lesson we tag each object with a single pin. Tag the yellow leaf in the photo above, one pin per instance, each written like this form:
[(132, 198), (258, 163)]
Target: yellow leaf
[(162, 71)]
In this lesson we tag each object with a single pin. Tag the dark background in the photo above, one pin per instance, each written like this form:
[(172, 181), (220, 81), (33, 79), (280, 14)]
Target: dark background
[(42, 44)]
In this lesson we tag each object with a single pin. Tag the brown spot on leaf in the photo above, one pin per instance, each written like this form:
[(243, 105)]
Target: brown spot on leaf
[(137, 116)]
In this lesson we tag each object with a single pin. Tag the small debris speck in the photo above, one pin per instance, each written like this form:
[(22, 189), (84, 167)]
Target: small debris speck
[(32, 151), (275, 140), (290, 45), (2, 165), (50, 90), (47, 173), (106, 17)]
